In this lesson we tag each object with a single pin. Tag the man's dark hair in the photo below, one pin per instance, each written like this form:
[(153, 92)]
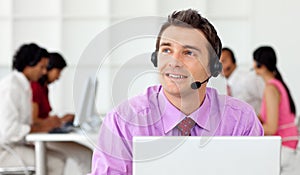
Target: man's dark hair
[(231, 54), (28, 55), (192, 19)]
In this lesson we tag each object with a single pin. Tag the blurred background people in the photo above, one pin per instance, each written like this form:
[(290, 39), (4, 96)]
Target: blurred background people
[(278, 109), (241, 84), (41, 106), (44, 122), (29, 64)]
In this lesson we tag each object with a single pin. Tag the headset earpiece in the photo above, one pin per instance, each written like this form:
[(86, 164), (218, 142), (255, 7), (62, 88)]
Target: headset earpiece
[(217, 69), (154, 58), (215, 66)]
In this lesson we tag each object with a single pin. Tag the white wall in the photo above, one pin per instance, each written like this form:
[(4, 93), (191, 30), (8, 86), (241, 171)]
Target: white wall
[(69, 25)]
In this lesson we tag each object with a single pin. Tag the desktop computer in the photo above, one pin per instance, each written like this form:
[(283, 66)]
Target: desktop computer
[(86, 117)]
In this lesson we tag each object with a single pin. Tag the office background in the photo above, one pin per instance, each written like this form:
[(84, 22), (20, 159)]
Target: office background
[(68, 26)]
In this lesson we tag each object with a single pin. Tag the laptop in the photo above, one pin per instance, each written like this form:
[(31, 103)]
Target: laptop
[(217, 155)]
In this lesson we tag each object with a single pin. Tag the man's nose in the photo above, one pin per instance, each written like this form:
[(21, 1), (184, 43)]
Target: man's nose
[(176, 59), (177, 55)]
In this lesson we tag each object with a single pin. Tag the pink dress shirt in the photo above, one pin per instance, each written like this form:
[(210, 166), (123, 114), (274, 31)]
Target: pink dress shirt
[(151, 114)]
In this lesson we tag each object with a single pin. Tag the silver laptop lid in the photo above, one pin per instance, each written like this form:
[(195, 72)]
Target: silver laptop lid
[(225, 155)]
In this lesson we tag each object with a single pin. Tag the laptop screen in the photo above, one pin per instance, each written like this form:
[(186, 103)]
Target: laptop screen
[(221, 155)]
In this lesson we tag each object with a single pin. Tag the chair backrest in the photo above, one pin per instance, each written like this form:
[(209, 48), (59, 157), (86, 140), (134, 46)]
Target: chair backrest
[(298, 123), (18, 169)]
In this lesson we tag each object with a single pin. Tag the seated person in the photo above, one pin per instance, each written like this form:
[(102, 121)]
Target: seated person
[(278, 109), (243, 85), (41, 106), (29, 64), (187, 56), (45, 123)]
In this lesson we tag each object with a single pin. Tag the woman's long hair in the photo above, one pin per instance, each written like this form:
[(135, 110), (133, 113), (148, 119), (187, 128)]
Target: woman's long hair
[(56, 60), (265, 55)]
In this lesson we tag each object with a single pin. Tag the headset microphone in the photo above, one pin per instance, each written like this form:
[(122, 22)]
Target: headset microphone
[(197, 84)]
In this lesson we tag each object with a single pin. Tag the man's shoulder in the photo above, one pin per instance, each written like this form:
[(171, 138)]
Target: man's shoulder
[(10, 81), (139, 103), (238, 104), (224, 101)]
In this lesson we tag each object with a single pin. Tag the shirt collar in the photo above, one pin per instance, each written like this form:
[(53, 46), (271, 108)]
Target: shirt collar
[(233, 75), (171, 116), (25, 83)]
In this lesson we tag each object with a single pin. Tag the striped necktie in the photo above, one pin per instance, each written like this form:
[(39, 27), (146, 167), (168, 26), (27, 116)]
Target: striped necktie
[(228, 89), (185, 126)]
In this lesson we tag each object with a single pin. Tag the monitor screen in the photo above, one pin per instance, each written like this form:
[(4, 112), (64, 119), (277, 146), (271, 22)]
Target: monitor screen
[(87, 108)]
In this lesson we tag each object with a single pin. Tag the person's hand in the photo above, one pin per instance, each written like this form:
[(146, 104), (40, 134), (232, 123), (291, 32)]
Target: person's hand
[(67, 118), (53, 122)]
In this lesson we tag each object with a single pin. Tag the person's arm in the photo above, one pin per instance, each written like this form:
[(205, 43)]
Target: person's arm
[(13, 121), (43, 125), (252, 90), (259, 118), (113, 152), (272, 97)]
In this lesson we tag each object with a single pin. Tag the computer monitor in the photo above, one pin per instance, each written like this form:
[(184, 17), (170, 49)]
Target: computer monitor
[(225, 155), (87, 109)]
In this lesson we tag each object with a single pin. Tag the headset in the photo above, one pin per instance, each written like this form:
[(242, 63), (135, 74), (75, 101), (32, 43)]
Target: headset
[(215, 65)]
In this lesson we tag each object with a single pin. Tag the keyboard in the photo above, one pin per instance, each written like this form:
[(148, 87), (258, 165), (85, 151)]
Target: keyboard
[(65, 128)]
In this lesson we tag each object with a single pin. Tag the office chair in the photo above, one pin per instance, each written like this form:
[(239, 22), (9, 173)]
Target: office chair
[(18, 169), (292, 138)]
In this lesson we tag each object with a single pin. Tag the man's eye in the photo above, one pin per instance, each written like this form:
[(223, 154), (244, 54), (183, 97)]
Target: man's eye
[(166, 50), (188, 52)]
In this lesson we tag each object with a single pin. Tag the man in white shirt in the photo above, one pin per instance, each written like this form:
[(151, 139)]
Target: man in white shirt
[(244, 85), (29, 64)]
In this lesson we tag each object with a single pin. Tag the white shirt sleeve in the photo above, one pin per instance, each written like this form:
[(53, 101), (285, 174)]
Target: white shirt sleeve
[(248, 87), (252, 90), (14, 121)]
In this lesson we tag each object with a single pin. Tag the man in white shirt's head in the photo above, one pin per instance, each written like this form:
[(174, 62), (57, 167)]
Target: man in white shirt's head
[(228, 62), (242, 84), (32, 61)]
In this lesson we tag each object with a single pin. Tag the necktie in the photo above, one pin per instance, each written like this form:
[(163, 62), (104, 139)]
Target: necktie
[(228, 90), (185, 126)]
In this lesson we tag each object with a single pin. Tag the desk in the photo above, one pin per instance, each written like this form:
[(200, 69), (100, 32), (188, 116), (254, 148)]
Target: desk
[(39, 139)]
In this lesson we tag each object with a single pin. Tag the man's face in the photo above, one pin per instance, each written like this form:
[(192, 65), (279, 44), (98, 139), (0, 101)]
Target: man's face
[(228, 65), (183, 58), (34, 73)]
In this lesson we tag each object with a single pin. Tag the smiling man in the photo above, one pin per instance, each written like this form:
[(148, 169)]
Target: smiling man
[(187, 56)]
